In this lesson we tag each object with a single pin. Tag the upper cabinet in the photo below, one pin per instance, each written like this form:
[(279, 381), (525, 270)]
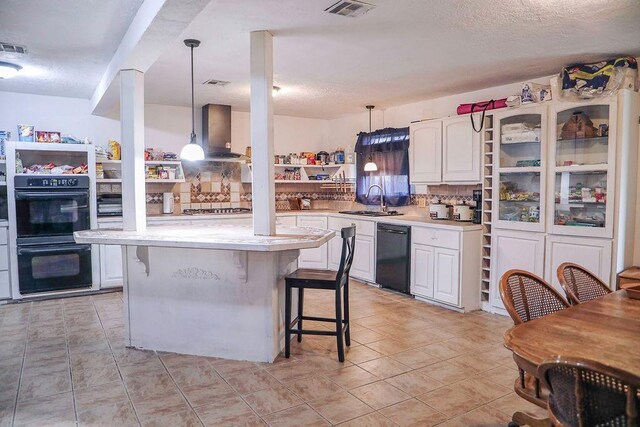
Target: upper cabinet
[(460, 150), (444, 151), (425, 152), (519, 168), (583, 147)]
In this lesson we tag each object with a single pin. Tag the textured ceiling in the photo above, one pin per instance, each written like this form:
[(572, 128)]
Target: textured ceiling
[(327, 66), (402, 51), (69, 42)]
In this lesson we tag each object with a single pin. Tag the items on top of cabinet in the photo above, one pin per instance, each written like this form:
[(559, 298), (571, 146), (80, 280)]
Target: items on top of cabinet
[(599, 79)]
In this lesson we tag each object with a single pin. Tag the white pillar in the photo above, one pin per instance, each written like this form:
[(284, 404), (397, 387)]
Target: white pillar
[(134, 216), (263, 184)]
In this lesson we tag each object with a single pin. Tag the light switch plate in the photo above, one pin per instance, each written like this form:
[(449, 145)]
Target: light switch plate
[(422, 203)]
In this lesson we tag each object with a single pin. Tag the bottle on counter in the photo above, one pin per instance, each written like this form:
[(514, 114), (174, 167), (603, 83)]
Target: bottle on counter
[(339, 155)]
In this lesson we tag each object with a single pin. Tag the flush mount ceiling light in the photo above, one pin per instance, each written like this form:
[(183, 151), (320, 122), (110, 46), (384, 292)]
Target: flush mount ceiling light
[(8, 70), (370, 166), (192, 151)]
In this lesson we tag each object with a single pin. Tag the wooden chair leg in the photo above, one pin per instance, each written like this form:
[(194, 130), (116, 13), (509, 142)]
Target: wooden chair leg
[(347, 334), (522, 419), (339, 326), (287, 321), (300, 311)]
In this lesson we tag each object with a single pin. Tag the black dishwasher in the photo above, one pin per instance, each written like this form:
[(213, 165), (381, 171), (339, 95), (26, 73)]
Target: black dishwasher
[(393, 260)]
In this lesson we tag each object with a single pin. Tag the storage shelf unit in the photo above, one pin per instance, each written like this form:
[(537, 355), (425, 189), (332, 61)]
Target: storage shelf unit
[(305, 173), (487, 212), (116, 166)]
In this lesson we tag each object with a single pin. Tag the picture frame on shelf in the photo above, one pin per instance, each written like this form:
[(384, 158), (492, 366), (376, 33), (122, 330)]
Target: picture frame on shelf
[(26, 133), (48, 136)]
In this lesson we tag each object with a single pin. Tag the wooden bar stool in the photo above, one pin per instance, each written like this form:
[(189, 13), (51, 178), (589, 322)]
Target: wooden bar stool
[(304, 278)]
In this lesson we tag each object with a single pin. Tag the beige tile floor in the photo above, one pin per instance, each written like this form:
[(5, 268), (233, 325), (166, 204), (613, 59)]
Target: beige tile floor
[(63, 362)]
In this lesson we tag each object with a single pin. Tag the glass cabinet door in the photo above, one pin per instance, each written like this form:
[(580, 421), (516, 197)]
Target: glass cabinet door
[(519, 172), (583, 158)]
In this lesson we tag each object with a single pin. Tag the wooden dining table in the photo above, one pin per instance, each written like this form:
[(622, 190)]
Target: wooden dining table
[(605, 330)]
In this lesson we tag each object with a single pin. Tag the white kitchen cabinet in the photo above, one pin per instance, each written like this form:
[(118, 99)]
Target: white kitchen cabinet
[(425, 152), (110, 261), (592, 254), (513, 249), (445, 266), (286, 221), (5, 283), (364, 259), (447, 281), (316, 257), (110, 266), (422, 271), (460, 150)]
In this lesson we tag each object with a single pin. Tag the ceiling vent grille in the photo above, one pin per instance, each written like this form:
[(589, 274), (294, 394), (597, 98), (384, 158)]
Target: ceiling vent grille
[(350, 8), (12, 48), (214, 82)]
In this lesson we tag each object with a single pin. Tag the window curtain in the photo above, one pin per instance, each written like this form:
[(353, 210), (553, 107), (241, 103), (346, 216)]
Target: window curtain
[(389, 149)]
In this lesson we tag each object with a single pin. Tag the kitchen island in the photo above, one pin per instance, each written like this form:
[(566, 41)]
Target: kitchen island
[(207, 289)]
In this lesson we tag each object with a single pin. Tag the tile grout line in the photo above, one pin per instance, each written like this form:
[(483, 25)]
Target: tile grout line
[(66, 340), (124, 386), (24, 357), (179, 389)]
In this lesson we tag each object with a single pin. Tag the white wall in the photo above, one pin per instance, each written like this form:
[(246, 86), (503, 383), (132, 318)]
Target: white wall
[(166, 127)]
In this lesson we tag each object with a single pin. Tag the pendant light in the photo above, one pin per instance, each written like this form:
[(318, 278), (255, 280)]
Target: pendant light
[(192, 151), (370, 166)]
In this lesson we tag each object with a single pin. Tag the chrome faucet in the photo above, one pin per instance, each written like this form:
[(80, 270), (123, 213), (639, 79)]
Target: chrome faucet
[(383, 208)]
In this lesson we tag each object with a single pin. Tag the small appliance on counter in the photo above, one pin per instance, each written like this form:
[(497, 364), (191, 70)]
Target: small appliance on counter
[(110, 204), (439, 210), (463, 212), (167, 203), (322, 157), (477, 212)]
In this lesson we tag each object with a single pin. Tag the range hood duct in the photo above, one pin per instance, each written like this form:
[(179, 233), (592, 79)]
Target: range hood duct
[(216, 132)]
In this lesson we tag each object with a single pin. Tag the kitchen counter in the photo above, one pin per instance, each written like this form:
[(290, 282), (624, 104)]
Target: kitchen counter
[(209, 288), (203, 236), (410, 220)]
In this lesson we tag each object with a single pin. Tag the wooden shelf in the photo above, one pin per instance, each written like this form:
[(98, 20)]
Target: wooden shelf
[(164, 181), (108, 180), (582, 168), (525, 169)]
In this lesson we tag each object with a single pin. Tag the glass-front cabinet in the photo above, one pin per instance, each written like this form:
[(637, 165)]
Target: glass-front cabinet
[(519, 169), (583, 149)]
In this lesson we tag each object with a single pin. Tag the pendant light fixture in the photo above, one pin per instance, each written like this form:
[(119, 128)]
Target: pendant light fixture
[(8, 70), (192, 151), (370, 166)]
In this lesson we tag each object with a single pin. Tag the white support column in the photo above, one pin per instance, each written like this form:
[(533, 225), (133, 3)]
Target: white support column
[(134, 216), (263, 184)]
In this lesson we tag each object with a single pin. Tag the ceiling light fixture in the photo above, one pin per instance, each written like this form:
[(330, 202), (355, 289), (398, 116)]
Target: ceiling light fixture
[(8, 70), (370, 166), (192, 151)]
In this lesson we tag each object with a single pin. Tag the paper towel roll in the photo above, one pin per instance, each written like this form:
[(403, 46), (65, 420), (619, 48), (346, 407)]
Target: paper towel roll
[(167, 203)]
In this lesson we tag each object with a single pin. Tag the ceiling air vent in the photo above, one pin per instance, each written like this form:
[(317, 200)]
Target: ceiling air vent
[(214, 82), (350, 8), (12, 48)]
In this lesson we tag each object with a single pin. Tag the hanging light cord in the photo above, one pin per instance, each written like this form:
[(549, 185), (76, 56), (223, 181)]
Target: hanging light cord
[(193, 111)]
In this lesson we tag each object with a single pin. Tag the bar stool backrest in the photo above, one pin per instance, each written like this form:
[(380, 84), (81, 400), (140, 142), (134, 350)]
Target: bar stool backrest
[(348, 235)]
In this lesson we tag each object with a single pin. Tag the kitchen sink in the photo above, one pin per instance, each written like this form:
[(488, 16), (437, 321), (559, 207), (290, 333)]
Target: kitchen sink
[(371, 213)]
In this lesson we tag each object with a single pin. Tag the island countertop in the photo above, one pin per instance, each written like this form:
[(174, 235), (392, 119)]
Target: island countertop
[(210, 236)]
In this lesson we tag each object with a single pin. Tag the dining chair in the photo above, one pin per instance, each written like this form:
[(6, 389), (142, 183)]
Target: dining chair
[(304, 278), (580, 284), (586, 393), (527, 297)]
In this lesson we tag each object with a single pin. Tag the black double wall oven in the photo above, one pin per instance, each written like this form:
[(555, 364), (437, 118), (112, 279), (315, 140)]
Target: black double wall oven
[(48, 210)]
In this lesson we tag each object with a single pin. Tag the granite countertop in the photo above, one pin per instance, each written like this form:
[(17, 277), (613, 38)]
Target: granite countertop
[(408, 219), (204, 236)]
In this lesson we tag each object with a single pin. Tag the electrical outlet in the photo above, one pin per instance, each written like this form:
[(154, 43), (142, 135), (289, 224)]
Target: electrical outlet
[(422, 203)]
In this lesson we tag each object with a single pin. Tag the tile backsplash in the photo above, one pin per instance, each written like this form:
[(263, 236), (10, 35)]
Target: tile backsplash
[(219, 185)]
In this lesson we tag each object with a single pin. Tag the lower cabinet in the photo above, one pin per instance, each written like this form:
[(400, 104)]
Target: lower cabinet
[(316, 257), (110, 266), (364, 258), (514, 249), (592, 254), (5, 283), (445, 266)]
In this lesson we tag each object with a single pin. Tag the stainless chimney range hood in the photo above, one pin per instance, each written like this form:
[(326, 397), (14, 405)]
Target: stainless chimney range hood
[(216, 133)]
